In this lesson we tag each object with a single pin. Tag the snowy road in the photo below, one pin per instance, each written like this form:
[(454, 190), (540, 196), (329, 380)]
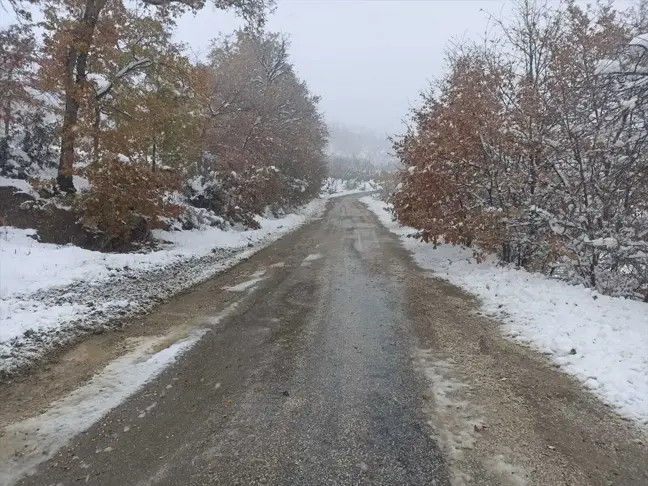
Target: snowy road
[(330, 358)]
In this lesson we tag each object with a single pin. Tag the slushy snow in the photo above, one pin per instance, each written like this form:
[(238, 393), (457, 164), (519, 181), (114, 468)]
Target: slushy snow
[(248, 284), (34, 440)]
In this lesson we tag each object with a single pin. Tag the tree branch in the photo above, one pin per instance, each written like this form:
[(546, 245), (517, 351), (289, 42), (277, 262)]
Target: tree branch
[(129, 68)]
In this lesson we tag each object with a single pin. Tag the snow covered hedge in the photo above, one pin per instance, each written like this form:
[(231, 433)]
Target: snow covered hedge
[(544, 164)]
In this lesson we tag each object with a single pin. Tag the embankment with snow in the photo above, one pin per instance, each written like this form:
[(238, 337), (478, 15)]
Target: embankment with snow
[(601, 340), (52, 294)]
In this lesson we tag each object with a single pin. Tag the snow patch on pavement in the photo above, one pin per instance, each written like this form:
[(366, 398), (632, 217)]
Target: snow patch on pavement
[(248, 284), (311, 258), (451, 416), (457, 423), (229, 310), (600, 340), (33, 441), (508, 474)]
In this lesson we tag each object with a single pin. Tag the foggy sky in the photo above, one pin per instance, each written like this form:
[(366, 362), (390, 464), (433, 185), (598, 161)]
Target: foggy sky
[(367, 59)]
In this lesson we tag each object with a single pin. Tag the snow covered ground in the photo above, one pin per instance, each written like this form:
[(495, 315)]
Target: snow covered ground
[(21, 185), (50, 294), (342, 187), (24, 186), (602, 341)]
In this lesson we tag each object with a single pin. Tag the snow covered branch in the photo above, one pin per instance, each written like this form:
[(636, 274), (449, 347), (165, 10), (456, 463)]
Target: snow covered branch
[(131, 67)]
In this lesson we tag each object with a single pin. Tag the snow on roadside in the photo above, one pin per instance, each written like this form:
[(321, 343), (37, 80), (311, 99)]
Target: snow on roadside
[(29, 266), (600, 340), (33, 441), (340, 187), (51, 294)]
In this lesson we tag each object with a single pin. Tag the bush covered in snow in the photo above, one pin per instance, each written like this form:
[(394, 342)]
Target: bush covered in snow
[(543, 163), (240, 197), (335, 186)]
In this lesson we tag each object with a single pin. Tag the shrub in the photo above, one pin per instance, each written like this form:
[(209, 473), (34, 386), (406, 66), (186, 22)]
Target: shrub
[(127, 200)]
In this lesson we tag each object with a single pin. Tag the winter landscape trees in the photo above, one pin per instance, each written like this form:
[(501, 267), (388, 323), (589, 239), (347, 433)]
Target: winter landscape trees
[(532, 146), (100, 89), (263, 123)]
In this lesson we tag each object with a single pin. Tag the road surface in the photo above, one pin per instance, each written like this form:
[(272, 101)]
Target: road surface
[(339, 362)]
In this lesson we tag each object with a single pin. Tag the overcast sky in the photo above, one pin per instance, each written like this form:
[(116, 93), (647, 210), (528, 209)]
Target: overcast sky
[(367, 59)]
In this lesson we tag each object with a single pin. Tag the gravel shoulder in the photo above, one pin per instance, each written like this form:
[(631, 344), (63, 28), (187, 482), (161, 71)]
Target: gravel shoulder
[(504, 413)]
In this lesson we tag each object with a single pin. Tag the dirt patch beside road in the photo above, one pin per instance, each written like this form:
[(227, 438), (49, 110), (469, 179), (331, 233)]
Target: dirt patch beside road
[(520, 420)]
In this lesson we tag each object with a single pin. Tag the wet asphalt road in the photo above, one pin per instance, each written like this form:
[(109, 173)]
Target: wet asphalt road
[(309, 382)]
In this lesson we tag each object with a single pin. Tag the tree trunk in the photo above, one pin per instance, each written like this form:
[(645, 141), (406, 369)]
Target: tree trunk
[(153, 166), (96, 128), (7, 120), (77, 60), (7, 110), (68, 135), (506, 252)]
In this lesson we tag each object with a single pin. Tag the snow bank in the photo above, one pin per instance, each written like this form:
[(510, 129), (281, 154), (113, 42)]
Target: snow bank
[(601, 340), (22, 185), (29, 266), (49, 293)]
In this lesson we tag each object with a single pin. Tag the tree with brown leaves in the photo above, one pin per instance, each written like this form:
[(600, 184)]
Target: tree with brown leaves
[(533, 147), (77, 31)]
